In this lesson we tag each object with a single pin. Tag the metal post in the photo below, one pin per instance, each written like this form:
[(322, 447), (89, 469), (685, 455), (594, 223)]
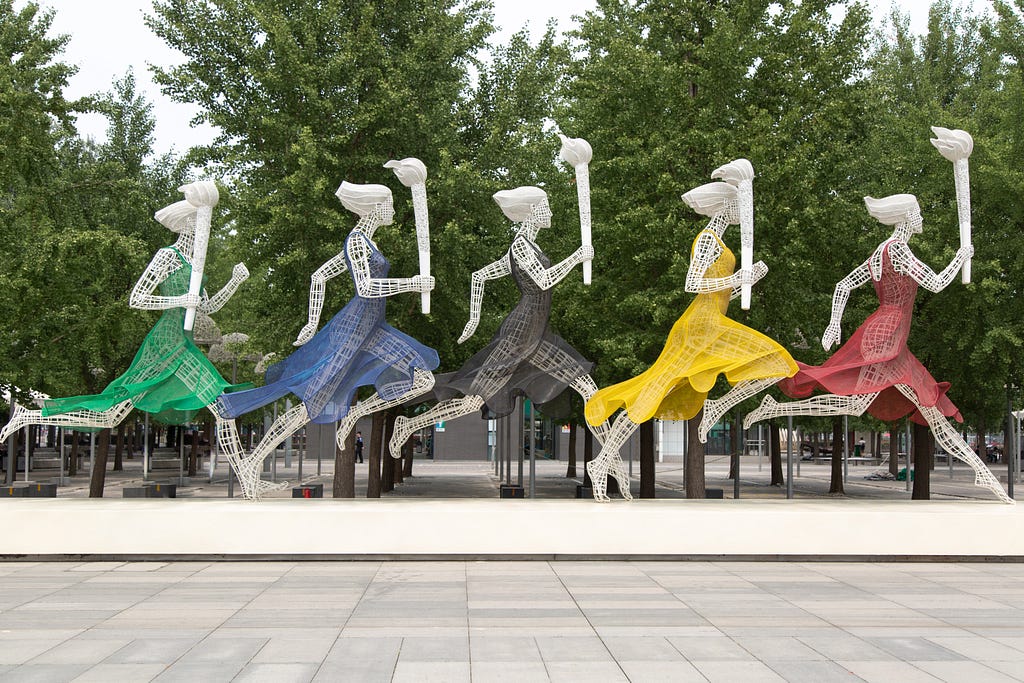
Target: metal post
[(60, 444), (28, 449), (760, 446), (181, 455), (92, 452), (631, 456), (533, 451), (799, 453), (686, 436), (789, 456), (273, 453), (145, 448), (519, 437), (288, 441), (508, 447), (909, 458), (302, 452), (1016, 448), (736, 481), (1007, 452)]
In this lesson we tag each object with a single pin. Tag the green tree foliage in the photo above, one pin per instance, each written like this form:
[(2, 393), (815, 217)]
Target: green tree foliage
[(667, 90)]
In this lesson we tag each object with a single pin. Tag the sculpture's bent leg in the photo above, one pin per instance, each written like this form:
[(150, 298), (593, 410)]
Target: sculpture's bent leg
[(828, 404), (954, 444), (248, 468), (422, 382), (609, 461), (586, 387), (445, 410), (107, 419), (714, 409)]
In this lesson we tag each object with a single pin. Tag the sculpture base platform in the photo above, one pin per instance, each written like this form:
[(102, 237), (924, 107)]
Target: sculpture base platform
[(407, 528)]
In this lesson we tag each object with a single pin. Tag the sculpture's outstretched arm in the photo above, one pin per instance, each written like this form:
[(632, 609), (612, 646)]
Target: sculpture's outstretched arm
[(213, 304), (333, 267), (546, 278), (163, 264), (840, 296), (491, 271), (378, 287), (904, 261)]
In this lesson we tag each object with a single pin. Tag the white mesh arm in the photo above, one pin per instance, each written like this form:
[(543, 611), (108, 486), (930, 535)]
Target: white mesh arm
[(546, 278), (840, 296), (378, 287), (904, 261), (492, 271), (333, 267), (164, 262), (213, 304)]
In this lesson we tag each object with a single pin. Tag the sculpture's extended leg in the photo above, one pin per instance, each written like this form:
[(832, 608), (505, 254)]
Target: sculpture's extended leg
[(107, 419), (714, 409), (445, 410), (954, 444), (829, 404), (609, 461), (422, 382), (564, 367), (248, 468)]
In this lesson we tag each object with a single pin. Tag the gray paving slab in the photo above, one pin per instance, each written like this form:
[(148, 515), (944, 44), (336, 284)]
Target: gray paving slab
[(452, 621)]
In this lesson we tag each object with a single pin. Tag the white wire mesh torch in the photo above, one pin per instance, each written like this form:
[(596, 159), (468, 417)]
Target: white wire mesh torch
[(412, 173)]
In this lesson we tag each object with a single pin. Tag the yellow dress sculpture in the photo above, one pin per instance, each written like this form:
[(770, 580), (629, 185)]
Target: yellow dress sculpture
[(703, 343)]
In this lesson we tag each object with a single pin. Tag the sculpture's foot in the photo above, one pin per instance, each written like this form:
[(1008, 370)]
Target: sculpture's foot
[(399, 436), (708, 420), (764, 411), (598, 480), (17, 421)]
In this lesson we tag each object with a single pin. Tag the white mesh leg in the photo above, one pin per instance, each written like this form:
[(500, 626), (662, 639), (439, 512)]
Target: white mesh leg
[(586, 388), (714, 409), (828, 404), (107, 419), (609, 461), (422, 382), (446, 410), (248, 468), (954, 444)]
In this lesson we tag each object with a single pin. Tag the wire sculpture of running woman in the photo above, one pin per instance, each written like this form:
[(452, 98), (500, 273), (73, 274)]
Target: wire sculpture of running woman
[(703, 343), (169, 377), (525, 358), (874, 371), (356, 348)]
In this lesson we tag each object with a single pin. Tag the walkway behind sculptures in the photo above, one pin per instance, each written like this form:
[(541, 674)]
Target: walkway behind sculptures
[(476, 479)]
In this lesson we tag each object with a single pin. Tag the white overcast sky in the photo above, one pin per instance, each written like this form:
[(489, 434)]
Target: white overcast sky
[(108, 38)]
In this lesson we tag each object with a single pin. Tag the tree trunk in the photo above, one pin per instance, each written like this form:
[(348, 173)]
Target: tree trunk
[(694, 459), (836, 484), (400, 464), (73, 458), (775, 441), (193, 456), (734, 447), (345, 468), (407, 462), (373, 458), (387, 477), (894, 448), (570, 470), (588, 455), (97, 477), (119, 449), (982, 431), (647, 470), (923, 456)]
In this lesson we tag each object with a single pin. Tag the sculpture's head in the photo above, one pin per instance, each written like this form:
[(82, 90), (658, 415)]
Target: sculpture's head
[(363, 200), (715, 199), (524, 204), (896, 209), (179, 217)]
